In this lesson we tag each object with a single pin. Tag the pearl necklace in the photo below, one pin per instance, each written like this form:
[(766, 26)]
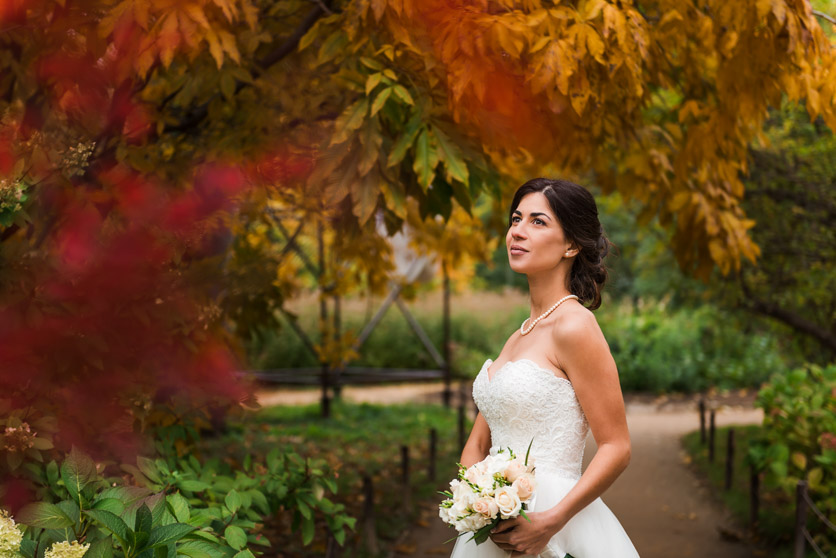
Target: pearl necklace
[(524, 331)]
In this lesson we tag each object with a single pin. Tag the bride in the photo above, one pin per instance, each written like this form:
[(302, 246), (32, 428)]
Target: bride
[(553, 382)]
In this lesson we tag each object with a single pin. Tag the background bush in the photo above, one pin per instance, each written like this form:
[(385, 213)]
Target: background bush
[(657, 348), (799, 437)]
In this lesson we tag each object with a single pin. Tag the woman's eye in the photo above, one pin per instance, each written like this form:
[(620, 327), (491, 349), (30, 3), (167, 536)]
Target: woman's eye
[(515, 219), (539, 222)]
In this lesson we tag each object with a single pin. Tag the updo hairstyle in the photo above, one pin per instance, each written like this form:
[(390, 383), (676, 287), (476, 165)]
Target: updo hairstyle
[(577, 213)]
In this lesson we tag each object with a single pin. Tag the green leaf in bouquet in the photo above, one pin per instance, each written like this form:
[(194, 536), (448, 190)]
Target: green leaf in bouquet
[(528, 451), (484, 533)]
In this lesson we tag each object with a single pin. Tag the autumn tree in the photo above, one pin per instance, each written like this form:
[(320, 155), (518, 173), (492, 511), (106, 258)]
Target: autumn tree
[(347, 114)]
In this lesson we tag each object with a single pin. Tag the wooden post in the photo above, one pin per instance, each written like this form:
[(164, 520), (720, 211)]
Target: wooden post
[(800, 519), (461, 425), (407, 487), (729, 459), (754, 495), (338, 387), (711, 437), (433, 449), (448, 392), (702, 421), (369, 527), (332, 549), (323, 321)]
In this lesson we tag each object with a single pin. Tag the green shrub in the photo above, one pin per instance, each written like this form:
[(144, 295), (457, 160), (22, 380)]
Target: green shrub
[(656, 348), (173, 506), (686, 349), (799, 436)]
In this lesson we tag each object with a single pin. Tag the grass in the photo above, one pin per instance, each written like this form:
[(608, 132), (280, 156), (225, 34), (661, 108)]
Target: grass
[(359, 439), (774, 529)]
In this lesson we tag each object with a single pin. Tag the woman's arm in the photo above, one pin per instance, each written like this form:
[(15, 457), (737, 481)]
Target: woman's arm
[(586, 359), (478, 443)]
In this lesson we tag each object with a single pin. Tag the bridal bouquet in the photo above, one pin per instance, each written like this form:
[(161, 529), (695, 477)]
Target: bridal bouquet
[(498, 487)]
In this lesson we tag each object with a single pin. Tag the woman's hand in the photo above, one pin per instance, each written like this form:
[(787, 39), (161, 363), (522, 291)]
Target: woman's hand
[(523, 537)]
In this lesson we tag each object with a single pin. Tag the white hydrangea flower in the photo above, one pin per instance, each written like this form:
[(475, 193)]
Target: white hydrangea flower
[(10, 535), (66, 549)]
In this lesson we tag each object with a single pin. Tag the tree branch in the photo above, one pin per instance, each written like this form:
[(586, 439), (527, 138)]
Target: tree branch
[(291, 42), (788, 317), (288, 46), (824, 16)]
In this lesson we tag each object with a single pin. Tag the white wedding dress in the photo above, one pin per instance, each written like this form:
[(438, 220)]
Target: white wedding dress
[(525, 402)]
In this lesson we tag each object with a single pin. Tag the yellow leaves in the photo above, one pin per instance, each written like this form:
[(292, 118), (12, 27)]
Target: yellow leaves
[(350, 120), (378, 6), (215, 48), (426, 159), (452, 157), (380, 100), (614, 20), (509, 37), (728, 42), (590, 9), (401, 92), (373, 81), (690, 108)]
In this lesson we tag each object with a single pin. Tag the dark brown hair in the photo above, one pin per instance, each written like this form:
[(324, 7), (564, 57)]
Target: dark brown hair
[(577, 213)]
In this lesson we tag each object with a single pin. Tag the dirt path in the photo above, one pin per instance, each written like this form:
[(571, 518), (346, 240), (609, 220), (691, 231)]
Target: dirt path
[(663, 506)]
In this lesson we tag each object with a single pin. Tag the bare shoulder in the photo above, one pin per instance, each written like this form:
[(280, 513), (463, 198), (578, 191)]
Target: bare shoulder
[(577, 338), (576, 325)]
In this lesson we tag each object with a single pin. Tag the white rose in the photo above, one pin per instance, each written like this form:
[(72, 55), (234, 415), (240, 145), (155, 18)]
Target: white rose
[(524, 485), (508, 501), (462, 493)]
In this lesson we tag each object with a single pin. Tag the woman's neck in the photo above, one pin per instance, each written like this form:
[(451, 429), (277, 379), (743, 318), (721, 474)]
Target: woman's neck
[(546, 289)]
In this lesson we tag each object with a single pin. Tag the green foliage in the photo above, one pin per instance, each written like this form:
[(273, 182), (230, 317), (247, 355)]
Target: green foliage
[(660, 349), (774, 529), (799, 436), (357, 440), (656, 347), (176, 505)]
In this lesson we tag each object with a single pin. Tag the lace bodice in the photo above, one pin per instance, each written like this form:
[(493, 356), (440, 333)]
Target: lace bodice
[(524, 401)]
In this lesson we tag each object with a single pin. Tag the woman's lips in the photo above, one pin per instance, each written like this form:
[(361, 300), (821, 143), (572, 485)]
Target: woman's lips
[(517, 251)]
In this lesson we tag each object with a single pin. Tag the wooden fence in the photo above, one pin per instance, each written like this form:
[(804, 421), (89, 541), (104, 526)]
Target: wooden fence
[(368, 521), (803, 502)]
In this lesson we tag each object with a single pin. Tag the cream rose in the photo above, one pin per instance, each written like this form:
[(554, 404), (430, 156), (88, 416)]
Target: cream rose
[(524, 485), (486, 507), (514, 470), (508, 501)]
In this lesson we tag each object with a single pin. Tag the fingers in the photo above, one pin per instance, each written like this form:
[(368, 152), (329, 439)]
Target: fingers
[(504, 525)]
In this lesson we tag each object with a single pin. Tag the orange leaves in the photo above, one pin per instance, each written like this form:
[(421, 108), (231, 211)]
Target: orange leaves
[(181, 26)]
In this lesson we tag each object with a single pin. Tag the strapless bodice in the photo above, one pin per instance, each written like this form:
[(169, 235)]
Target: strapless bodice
[(525, 402)]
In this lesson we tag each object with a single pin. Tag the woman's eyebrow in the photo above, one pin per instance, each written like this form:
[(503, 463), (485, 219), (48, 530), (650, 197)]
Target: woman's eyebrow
[(533, 214)]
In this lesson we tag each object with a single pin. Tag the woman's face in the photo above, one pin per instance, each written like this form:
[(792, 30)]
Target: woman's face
[(535, 239)]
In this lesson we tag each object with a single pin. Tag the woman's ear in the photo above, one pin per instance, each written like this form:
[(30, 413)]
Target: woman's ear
[(572, 251)]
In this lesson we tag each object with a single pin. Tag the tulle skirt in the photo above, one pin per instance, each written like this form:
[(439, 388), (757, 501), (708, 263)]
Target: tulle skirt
[(593, 533)]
